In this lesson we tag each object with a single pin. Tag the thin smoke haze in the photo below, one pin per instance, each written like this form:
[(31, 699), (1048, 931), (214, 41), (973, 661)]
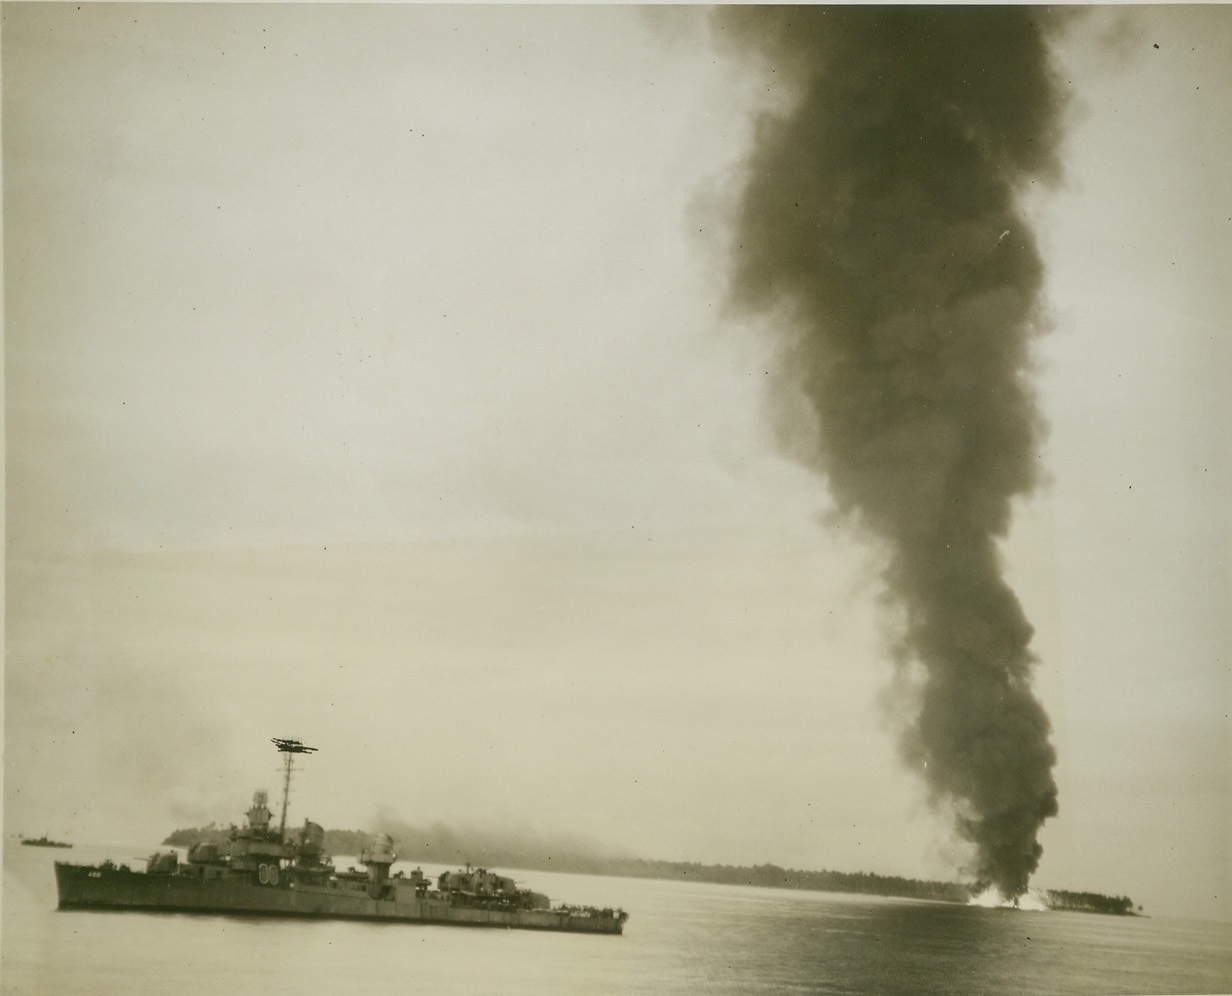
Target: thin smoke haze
[(879, 234)]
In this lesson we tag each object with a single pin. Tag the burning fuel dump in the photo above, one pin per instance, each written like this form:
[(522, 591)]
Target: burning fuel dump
[(880, 236), (991, 898)]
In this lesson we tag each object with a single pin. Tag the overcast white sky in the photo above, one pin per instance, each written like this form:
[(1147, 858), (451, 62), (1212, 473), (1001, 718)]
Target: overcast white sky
[(367, 382)]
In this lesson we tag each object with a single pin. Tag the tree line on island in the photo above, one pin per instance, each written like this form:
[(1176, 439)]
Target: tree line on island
[(534, 852)]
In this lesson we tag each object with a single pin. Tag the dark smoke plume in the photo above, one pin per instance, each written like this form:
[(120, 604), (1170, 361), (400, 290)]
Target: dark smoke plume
[(879, 234)]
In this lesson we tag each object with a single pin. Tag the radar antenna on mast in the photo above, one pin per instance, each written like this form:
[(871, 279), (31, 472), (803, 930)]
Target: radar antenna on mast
[(287, 747)]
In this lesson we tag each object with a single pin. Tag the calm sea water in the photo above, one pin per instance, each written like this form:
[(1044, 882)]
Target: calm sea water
[(682, 938)]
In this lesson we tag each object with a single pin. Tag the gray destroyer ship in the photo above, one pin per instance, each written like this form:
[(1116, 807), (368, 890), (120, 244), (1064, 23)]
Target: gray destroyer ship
[(264, 871)]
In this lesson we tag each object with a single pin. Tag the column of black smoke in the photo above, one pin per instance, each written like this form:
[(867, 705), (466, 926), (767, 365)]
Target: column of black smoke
[(879, 233)]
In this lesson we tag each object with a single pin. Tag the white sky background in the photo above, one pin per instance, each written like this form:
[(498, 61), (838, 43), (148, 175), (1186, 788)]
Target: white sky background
[(366, 383)]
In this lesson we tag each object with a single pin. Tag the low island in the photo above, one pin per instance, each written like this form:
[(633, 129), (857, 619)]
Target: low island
[(440, 844)]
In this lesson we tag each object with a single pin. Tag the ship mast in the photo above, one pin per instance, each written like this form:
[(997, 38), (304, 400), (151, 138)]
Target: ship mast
[(287, 748)]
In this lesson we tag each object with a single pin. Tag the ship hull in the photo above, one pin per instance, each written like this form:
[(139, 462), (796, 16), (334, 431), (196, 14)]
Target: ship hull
[(116, 888)]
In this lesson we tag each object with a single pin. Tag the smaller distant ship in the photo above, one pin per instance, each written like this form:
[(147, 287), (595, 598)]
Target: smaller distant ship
[(43, 842), (263, 870)]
